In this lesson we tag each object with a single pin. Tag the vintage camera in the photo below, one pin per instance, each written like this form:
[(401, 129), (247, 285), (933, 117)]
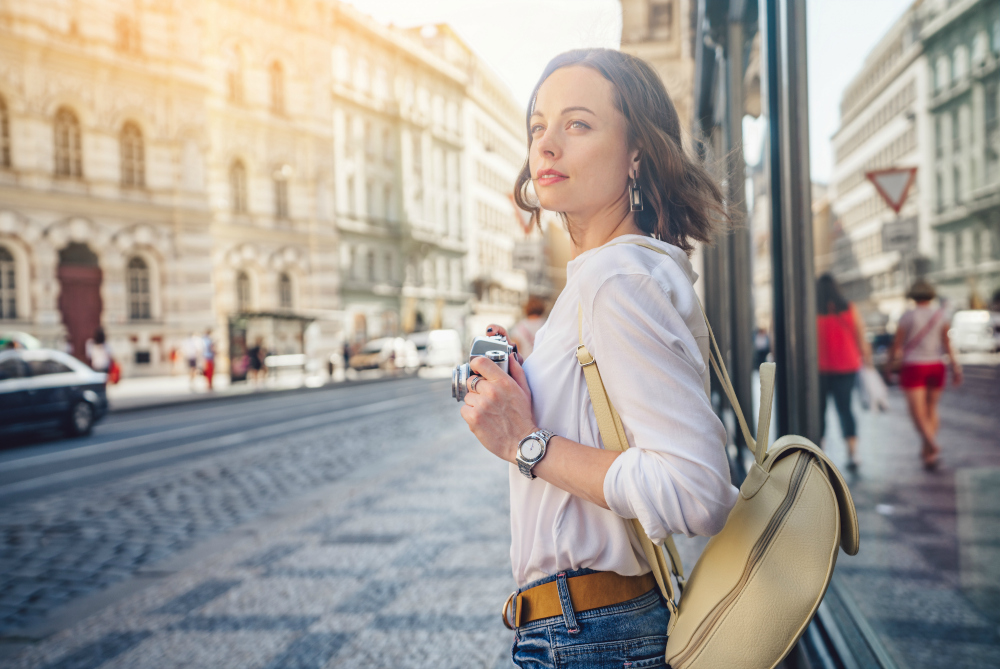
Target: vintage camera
[(495, 348)]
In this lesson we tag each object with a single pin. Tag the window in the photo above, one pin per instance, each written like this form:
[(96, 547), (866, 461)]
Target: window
[(938, 137), (8, 286), (387, 146), (242, 292), (940, 193), (12, 368), (389, 274), (418, 156), (369, 200), (959, 249), (68, 158), (281, 197), (352, 203), (957, 176), (387, 203), (133, 161), (277, 87), (941, 75), (370, 266), (234, 75), (369, 140), (238, 187), (4, 135), (959, 63), (956, 132), (661, 18), (285, 291), (43, 367), (137, 281), (127, 34)]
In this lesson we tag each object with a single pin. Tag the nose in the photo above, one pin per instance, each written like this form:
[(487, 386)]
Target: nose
[(548, 144)]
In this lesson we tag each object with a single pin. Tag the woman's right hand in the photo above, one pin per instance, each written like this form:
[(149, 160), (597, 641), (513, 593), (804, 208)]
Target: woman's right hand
[(956, 374)]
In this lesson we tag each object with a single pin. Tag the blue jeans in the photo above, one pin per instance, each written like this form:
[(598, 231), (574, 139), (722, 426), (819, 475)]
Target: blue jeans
[(631, 634)]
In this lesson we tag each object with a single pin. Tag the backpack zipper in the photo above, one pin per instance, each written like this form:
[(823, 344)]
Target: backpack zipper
[(759, 549)]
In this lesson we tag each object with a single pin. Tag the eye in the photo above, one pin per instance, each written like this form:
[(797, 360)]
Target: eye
[(578, 125), (537, 128)]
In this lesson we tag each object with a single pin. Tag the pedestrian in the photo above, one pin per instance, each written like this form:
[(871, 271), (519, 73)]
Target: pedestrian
[(190, 348), (605, 149), (920, 348), (523, 332), (255, 359), (761, 347), (842, 348), (208, 356), (98, 351)]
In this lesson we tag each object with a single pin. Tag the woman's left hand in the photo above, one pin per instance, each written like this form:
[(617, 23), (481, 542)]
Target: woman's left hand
[(499, 411)]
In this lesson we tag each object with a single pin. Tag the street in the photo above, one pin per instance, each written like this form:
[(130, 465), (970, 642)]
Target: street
[(363, 525), (369, 525)]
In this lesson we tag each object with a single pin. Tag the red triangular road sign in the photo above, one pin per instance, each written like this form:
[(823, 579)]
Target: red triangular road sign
[(893, 184)]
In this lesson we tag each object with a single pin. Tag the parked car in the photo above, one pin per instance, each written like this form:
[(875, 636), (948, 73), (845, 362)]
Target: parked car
[(973, 330), (42, 386), (438, 348), (387, 353), (15, 339)]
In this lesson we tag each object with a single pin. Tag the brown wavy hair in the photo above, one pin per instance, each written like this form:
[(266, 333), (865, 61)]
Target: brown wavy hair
[(683, 203)]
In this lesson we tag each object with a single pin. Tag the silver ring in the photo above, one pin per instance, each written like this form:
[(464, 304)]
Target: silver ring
[(473, 382)]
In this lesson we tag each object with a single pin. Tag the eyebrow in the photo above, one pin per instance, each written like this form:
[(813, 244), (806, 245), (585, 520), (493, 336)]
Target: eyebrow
[(565, 111)]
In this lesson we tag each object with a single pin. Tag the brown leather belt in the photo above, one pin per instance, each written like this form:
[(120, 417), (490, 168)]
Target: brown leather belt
[(587, 592)]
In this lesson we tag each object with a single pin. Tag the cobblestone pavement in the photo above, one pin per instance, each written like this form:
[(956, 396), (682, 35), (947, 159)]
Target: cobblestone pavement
[(394, 555), (59, 547), (927, 577)]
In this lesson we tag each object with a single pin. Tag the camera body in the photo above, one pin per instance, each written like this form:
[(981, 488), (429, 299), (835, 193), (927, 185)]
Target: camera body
[(495, 348)]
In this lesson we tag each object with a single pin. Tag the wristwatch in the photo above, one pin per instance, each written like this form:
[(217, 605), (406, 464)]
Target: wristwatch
[(531, 449)]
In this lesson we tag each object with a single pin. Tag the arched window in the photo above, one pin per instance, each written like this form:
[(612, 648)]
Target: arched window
[(242, 292), (238, 186), (69, 151), (285, 291), (234, 75), (8, 286), (277, 87), (133, 156), (4, 135), (137, 283)]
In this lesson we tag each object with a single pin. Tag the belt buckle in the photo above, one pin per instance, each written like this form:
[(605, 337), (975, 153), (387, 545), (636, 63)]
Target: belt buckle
[(507, 605)]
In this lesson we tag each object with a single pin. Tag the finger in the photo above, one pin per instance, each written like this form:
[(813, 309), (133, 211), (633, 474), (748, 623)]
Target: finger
[(494, 329), (517, 373), (486, 368)]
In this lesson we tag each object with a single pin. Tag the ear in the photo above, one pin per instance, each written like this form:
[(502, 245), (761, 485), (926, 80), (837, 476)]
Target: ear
[(634, 162)]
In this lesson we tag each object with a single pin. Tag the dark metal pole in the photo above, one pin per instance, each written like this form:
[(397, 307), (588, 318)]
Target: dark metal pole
[(786, 99), (740, 275)]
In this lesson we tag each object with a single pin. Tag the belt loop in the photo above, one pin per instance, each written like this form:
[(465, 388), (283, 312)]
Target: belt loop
[(569, 616)]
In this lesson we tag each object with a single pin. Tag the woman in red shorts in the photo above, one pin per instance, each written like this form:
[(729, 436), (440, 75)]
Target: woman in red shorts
[(921, 345)]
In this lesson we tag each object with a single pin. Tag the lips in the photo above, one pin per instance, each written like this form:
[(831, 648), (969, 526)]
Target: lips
[(550, 176)]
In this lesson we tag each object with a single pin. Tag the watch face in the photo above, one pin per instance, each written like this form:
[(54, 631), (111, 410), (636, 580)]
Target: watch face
[(531, 449)]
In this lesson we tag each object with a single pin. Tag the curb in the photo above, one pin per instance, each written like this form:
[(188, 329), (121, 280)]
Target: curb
[(215, 397)]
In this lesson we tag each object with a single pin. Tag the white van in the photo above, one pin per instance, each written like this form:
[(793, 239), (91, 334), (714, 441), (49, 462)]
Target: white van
[(439, 348), (973, 330)]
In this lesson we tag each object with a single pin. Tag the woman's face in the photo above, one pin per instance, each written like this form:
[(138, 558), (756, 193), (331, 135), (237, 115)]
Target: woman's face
[(579, 155)]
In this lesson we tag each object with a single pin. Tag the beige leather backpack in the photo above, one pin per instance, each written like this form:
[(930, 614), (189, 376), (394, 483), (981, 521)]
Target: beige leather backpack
[(759, 581)]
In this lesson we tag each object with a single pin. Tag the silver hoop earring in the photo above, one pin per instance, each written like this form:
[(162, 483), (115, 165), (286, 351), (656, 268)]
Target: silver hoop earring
[(635, 195)]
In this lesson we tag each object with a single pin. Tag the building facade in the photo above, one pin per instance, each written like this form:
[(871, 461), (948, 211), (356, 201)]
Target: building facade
[(165, 167), (962, 46), (876, 252)]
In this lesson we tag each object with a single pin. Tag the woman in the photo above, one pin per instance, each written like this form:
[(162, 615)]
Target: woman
[(920, 346), (842, 347), (604, 147), (98, 351)]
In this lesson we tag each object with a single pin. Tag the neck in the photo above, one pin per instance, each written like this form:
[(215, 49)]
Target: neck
[(592, 230)]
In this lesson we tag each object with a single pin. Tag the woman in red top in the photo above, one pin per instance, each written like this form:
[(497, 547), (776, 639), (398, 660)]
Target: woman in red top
[(842, 348)]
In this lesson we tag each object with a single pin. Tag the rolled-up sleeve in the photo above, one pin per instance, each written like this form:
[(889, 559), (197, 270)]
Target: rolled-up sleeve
[(675, 476)]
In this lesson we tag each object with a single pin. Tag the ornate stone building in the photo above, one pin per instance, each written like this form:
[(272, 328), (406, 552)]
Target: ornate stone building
[(661, 32), (165, 166)]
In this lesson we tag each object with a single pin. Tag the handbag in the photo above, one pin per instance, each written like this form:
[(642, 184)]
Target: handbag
[(873, 392), (759, 581)]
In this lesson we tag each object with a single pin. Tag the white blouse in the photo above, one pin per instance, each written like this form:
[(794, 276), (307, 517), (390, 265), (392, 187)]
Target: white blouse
[(642, 323)]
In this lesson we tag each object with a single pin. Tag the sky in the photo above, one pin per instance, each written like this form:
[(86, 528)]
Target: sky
[(518, 37)]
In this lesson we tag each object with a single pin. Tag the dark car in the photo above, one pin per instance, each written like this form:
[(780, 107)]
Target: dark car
[(44, 387)]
